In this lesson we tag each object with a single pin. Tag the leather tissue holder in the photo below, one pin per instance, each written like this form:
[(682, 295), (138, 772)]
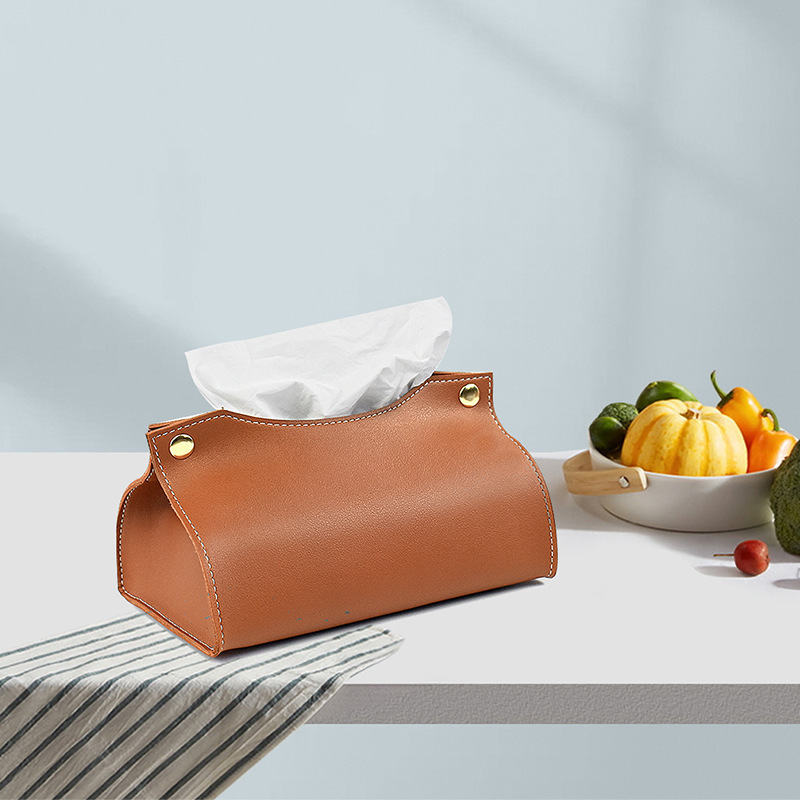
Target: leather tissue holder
[(245, 530)]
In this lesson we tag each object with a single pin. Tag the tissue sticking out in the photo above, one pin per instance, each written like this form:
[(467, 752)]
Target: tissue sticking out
[(332, 369)]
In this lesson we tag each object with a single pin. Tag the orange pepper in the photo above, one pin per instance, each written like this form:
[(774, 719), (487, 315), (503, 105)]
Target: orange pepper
[(743, 408), (769, 447)]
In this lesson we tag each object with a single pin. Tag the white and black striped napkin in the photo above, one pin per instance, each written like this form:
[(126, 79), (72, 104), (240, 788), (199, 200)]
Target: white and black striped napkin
[(126, 709)]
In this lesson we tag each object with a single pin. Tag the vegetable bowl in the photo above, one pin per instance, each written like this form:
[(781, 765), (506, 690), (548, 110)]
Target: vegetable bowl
[(671, 502)]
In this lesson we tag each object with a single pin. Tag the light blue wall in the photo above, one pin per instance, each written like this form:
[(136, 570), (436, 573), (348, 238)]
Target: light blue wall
[(606, 193)]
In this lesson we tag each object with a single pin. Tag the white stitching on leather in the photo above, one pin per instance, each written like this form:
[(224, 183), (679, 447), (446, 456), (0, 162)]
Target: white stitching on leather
[(199, 539), (122, 576), (122, 519), (290, 424), (538, 475), (164, 616)]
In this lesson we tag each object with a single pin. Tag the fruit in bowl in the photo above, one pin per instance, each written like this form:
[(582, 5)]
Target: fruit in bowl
[(669, 431)]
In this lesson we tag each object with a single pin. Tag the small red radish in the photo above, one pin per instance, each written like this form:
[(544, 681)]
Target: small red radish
[(751, 556)]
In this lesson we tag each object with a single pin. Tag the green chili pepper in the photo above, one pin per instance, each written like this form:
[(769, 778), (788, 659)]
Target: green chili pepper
[(663, 390)]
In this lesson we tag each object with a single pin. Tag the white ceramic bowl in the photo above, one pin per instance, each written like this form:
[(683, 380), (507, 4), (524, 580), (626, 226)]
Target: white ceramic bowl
[(684, 503)]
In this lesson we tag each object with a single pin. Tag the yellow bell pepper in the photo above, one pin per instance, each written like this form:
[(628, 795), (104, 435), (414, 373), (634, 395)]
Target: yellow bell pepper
[(743, 408)]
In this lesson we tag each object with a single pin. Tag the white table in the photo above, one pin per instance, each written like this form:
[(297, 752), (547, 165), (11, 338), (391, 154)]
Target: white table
[(638, 625)]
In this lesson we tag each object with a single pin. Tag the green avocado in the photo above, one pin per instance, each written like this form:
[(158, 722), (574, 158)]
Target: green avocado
[(663, 390), (784, 499)]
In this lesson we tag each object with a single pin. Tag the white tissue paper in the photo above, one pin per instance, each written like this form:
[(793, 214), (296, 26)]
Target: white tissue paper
[(333, 369)]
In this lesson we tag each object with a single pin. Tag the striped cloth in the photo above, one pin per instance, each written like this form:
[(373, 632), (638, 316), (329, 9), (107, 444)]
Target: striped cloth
[(126, 709)]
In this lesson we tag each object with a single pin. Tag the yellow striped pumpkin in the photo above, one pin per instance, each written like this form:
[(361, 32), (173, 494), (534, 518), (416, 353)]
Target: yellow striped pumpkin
[(685, 438)]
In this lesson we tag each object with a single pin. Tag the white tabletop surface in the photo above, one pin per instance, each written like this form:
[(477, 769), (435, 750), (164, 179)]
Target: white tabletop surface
[(629, 605)]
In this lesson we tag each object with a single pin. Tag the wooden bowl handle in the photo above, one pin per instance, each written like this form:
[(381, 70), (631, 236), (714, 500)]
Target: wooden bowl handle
[(582, 479)]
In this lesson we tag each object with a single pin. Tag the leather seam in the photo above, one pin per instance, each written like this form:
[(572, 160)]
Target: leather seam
[(538, 476), (292, 424), (122, 576), (202, 544), (171, 622), (122, 520)]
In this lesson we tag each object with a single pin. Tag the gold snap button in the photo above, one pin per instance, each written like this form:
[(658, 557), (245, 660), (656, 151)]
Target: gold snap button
[(181, 446), (469, 395)]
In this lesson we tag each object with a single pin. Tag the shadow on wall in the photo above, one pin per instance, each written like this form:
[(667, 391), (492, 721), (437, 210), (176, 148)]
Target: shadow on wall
[(77, 362), (638, 120)]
